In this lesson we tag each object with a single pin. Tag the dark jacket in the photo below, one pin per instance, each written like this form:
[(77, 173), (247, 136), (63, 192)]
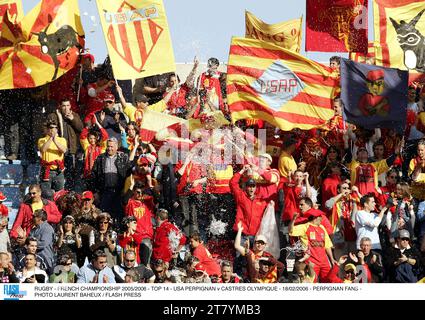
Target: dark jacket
[(70, 130), (98, 172), (403, 273), (110, 124)]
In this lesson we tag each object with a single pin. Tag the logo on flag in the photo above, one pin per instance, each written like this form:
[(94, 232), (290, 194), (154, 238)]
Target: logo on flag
[(278, 85), (137, 37), (412, 42), (373, 97), (399, 30), (129, 17)]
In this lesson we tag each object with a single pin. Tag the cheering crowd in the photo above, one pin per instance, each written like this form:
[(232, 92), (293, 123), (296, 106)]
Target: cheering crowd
[(230, 203)]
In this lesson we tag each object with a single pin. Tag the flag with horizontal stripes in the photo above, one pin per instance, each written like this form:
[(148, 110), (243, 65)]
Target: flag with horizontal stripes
[(284, 34), (267, 82), (137, 37), (400, 29), (41, 47)]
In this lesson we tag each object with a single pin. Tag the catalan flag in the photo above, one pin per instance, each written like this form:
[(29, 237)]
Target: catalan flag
[(400, 29), (284, 34), (43, 46), (137, 37), (267, 82)]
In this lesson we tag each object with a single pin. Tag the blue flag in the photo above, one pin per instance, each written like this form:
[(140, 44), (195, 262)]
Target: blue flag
[(374, 97)]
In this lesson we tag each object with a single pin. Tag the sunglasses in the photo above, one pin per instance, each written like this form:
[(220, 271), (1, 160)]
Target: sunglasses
[(350, 271), (128, 260), (104, 222), (405, 239), (109, 102), (345, 188), (68, 264), (260, 242)]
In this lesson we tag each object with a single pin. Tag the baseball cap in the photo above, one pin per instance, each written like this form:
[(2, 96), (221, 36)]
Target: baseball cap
[(403, 234), (260, 237), (200, 268), (267, 156), (142, 160), (250, 182), (87, 195), (109, 97), (350, 266)]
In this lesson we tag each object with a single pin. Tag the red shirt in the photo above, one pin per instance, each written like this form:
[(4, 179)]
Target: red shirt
[(178, 98), (4, 211), (365, 178), (292, 201), (162, 247), (330, 187), (131, 242), (25, 216), (193, 172), (96, 103), (143, 211), (205, 258), (250, 212), (209, 83)]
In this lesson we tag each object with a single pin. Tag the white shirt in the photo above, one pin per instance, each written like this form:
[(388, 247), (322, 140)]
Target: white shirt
[(367, 226)]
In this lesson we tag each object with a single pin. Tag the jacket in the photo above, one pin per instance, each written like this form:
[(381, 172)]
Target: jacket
[(45, 236), (68, 129), (25, 215), (250, 212), (98, 170)]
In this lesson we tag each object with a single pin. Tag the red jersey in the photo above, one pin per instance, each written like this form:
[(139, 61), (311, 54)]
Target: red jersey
[(205, 258), (4, 211), (143, 211), (162, 247), (193, 172), (212, 83), (178, 98), (96, 103), (131, 242)]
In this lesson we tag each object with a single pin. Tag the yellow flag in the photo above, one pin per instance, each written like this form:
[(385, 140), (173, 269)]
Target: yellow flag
[(14, 9), (137, 37), (284, 34), (400, 30), (42, 46)]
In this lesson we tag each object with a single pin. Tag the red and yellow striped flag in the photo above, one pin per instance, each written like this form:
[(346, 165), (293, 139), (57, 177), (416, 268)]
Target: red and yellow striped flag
[(13, 9), (267, 82)]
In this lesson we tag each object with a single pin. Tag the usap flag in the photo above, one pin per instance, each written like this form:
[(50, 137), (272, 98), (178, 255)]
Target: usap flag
[(374, 97)]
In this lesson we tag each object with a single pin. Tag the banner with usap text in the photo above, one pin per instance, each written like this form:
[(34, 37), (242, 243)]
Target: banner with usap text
[(137, 36), (374, 97)]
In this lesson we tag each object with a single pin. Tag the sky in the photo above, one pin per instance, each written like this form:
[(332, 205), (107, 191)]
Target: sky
[(202, 28)]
